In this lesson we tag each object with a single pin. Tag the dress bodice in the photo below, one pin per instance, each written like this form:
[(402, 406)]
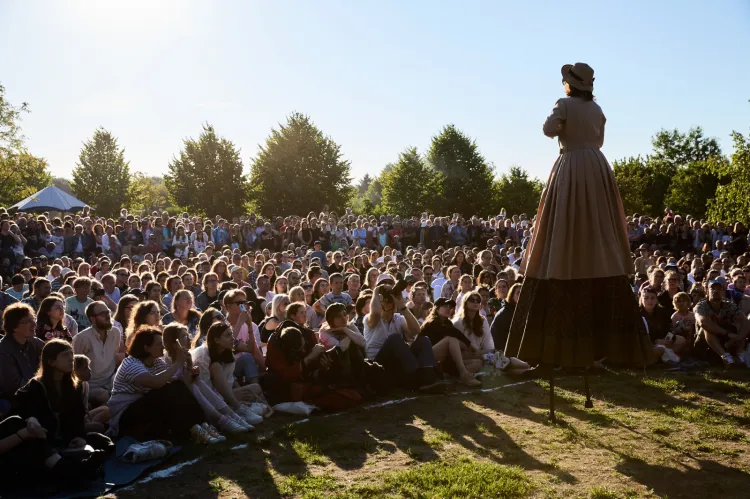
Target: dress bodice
[(577, 124)]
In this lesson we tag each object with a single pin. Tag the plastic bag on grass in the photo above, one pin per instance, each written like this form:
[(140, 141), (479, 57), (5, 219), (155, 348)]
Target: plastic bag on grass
[(299, 408)]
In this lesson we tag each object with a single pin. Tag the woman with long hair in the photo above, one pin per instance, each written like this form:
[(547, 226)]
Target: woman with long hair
[(470, 322), (465, 285), (560, 273), (55, 399), (216, 363), (446, 342), (183, 312), (278, 313), (281, 286), (123, 313), (371, 279), (459, 260), (147, 401), (497, 300), (659, 325), (486, 278), (209, 317), (50, 320), (145, 313), (220, 268), (176, 337), (297, 295), (320, 288)]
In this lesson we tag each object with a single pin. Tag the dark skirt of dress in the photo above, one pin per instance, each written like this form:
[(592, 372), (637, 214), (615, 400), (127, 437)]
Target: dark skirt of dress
[(576, 304)]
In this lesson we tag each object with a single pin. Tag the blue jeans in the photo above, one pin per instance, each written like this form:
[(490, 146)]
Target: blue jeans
[(399, 358), (245, 366)]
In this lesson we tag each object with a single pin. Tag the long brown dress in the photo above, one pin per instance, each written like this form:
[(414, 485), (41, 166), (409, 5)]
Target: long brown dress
[(576, 304)]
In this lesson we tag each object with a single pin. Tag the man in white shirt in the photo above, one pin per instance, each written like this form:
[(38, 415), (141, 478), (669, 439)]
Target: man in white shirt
[(389, 328), (100, 343)]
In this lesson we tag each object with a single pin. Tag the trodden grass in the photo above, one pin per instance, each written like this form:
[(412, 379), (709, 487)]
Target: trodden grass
[(651, 434)]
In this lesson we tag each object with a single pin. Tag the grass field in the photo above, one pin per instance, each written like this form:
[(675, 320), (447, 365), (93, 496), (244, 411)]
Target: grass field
[(651, 434)]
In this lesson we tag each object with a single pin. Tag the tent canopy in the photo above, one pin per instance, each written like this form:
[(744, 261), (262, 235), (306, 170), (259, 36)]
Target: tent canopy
[(49, 199)]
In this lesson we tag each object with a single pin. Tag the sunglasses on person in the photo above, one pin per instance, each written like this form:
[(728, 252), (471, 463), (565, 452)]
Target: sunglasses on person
[(473, 299)]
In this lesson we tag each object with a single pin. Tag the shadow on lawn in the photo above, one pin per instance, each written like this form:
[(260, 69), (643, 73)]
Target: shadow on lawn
[(706, 479), (479, 433)]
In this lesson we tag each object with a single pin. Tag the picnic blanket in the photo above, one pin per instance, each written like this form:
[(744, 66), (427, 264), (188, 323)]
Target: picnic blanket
[(117, 473)]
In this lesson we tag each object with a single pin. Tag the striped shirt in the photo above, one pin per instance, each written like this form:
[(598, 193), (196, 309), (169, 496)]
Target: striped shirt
[(130, 369)]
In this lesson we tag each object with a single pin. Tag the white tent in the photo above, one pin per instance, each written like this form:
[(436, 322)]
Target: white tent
[(49, 199)]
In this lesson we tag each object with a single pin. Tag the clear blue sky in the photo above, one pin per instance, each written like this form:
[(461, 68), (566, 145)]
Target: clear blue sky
[(377, 76)]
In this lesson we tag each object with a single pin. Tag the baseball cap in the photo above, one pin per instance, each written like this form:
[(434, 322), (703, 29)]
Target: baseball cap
[(444, 301), (714, 282), (385, 277)]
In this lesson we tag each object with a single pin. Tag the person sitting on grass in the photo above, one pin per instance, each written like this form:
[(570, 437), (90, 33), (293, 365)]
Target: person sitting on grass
[(147, 402), (446, 343), (683, 321), (391, 340), (28, 458), (336, 332), (300, 369), (96, 418), (20, 352), (248, 355), (477, 330), (216, 368), (722, 329), (658, 324), (215, 408), (176, 337), (56, 399)]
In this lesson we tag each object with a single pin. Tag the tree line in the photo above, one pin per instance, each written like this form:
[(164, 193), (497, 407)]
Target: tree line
[(299, 169)]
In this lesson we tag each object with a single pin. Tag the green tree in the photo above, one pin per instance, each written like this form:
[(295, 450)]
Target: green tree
[(21, 173), (681, 149), (732, 201), (147, 194), (693, 185), (298, 170), (370, 201), (364, 184), (517, 193), (207, 176), (406, 187), (101, 177), (463, 178), (643, 183)]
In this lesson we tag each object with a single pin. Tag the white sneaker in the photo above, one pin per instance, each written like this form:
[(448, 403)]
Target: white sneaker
[(669, 356), (248, 415), (230, 425), (238, 419), (214, 432)]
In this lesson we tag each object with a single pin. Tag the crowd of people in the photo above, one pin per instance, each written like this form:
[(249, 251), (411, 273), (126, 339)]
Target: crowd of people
[(183, 327)]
